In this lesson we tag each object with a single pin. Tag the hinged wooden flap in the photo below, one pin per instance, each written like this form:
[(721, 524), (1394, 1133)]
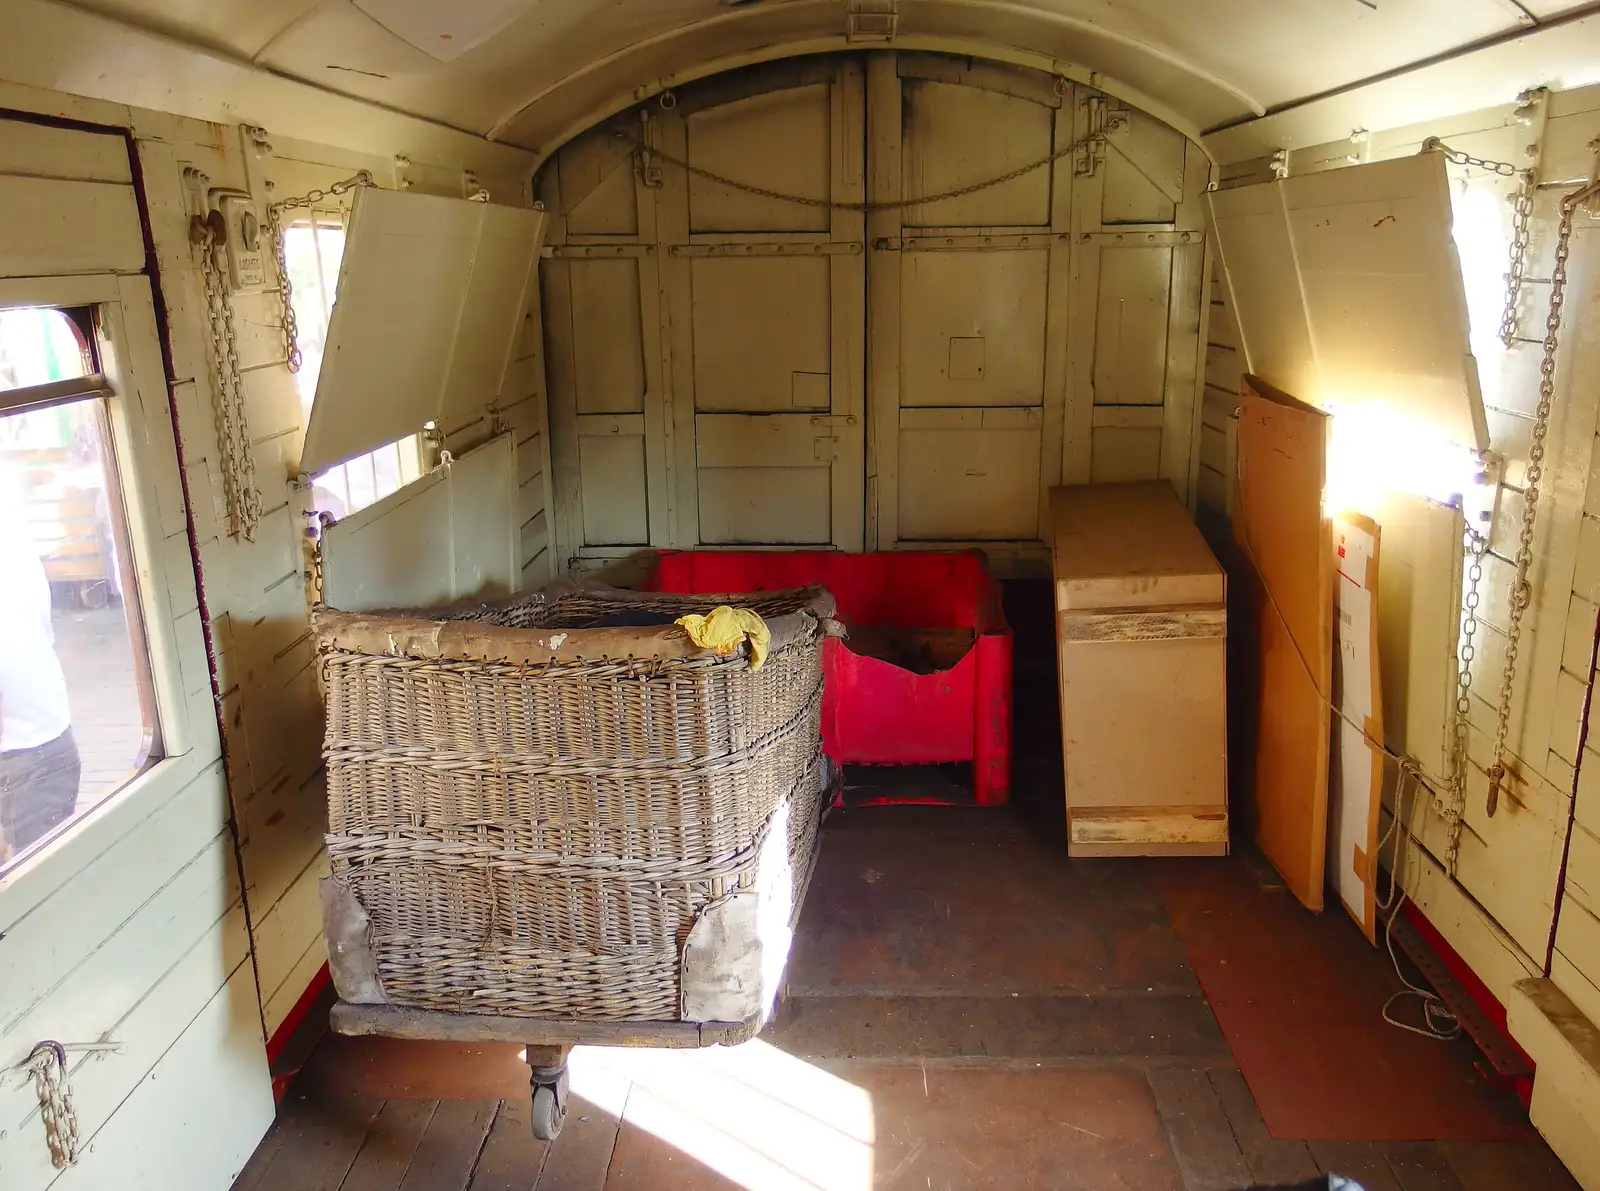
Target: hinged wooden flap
[(1129, 546), (429, 303), (1347, 289)]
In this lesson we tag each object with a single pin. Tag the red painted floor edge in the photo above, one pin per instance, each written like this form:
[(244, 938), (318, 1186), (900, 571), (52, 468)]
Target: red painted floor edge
[(291, 1025), (1486, 1001)]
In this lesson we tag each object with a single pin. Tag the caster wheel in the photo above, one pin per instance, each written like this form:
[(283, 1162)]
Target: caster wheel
[(549, 1104)]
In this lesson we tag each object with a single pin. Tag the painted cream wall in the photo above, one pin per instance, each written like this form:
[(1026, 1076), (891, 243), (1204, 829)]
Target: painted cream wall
[(254, 614), (256, 591), (130, 930), (1508, 913)]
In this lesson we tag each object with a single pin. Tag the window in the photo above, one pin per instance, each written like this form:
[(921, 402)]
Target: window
[(77, 708), (313, 249)]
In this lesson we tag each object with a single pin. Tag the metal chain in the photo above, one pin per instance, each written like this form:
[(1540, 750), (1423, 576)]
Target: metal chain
[(1459, 157), (867, 207), (47, 1066), (1521, 590), (1452, 805), (238, 463), (291, 330), (1521, 216), (1521, 222)]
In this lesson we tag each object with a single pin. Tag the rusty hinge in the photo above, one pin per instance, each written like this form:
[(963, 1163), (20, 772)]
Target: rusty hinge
[(871, 20)]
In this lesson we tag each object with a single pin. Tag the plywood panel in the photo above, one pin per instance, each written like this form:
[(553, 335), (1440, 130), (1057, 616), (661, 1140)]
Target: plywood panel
[(778, 140), (762, 333), (969, 475), (1280, 528), (51, 226), (615, 510), (607, 336), (972, 328), (955, 136), (762, 505)]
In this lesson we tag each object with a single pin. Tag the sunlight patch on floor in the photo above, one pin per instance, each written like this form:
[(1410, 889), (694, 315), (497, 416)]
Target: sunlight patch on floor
[(751, 1113)]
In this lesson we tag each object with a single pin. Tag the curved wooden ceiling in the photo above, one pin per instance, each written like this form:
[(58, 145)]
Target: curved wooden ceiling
[(529, 71)]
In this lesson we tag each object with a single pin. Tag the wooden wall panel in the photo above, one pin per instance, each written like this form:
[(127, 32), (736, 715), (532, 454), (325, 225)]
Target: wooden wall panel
[(607, 336), (255, 590), (972, 328), (762, 334), (596, 171), (735, 139), (996, 300), (969, 475), (1130, 360), (57, 225), (615, 508), (957, 134)]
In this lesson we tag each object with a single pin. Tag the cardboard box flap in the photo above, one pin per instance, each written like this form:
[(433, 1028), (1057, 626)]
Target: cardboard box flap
[(1129, 546)]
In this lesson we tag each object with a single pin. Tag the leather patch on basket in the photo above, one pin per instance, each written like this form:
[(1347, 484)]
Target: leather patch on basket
[(722, 961), (351, 962)]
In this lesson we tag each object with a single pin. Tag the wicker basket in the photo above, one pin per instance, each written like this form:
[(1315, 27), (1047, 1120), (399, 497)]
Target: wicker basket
[(533, 802)]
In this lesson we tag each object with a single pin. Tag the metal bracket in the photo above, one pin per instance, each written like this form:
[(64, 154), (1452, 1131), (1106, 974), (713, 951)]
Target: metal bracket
[(1103, 117), (1279, 165), (1481, 503), (1360, 147), (649, 150), (871, 20), (1531, 114)]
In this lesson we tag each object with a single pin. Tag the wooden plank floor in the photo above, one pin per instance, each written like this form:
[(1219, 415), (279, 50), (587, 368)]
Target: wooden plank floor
[(967, 1009)]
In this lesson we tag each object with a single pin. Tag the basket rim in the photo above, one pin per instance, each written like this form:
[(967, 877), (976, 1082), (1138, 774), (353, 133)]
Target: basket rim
[(420, 636)]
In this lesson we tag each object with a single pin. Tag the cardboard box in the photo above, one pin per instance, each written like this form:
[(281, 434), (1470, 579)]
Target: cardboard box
[(1141, 631), (1287, 541)]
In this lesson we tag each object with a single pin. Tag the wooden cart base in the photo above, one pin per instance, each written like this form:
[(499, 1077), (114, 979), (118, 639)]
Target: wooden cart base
[(548, 1041)]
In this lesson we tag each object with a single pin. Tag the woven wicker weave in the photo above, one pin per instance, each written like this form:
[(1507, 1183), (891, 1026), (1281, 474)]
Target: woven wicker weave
[(535, 837)]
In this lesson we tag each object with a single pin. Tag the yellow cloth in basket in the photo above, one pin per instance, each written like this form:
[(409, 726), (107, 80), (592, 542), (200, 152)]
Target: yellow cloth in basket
[(724, 628)]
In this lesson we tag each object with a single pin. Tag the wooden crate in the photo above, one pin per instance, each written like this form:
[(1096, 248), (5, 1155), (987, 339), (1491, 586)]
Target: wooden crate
[(1141, 633)]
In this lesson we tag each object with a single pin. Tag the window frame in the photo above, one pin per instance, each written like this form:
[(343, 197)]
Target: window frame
[(143, 445)]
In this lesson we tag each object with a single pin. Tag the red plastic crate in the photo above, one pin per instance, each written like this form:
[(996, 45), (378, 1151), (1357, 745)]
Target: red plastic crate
[(873, 711)]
